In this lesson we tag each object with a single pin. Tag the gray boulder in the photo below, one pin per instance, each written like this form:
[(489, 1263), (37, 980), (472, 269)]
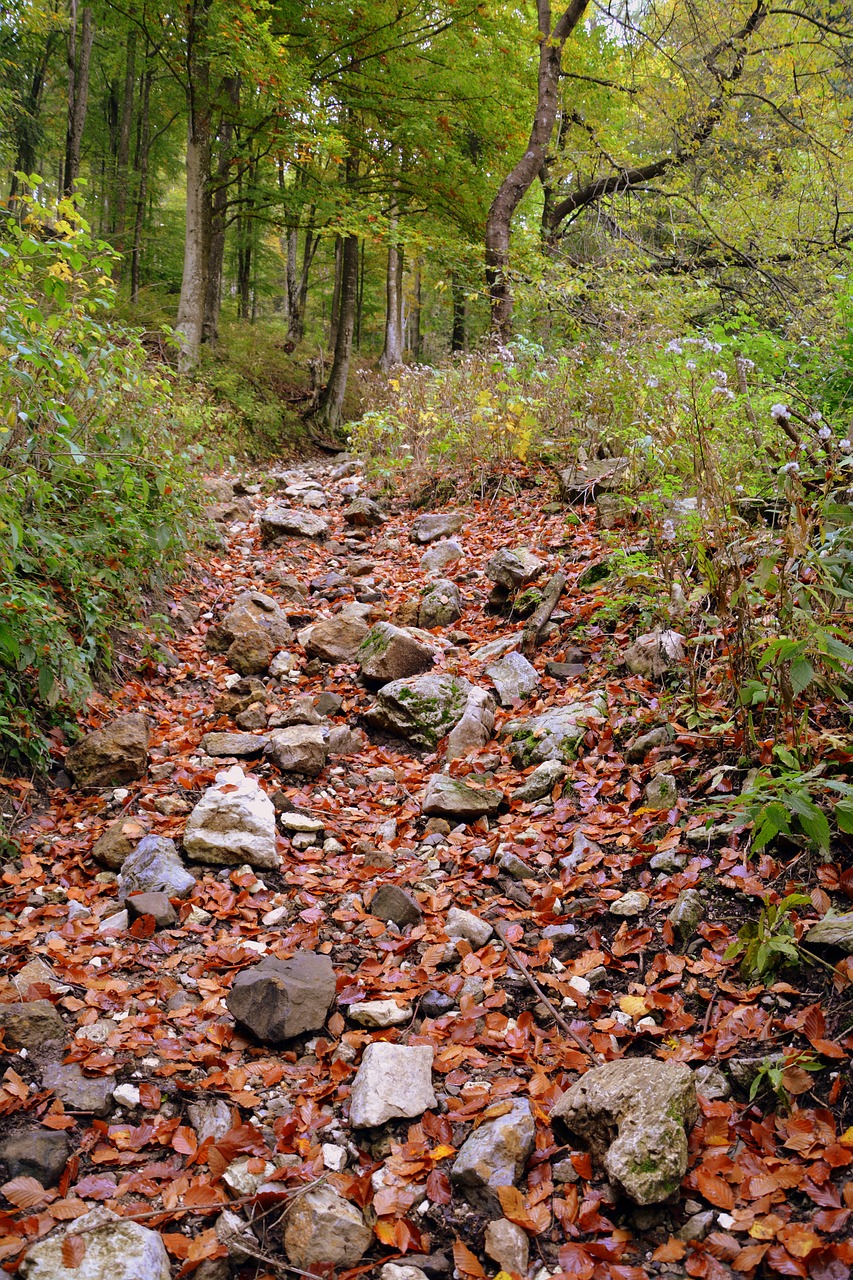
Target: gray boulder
[(233, 823), (336, 639), (33, 1025), (364, 513), (474, 730), (279, 999), (393, 1080), (278, 522), (655, 653), (555, 734), (541, 782), (513, 568), (391, 653), (92, 1094), (251, 613), (441, 605), (429, 528), (649, 1106), (422, 709), (464, 924), (112, 756), (592, 476), (302, 748), (390, 902), (494, 1156), (687, 913), (115, 1249), (240, 745), (833, 931), (661, 793), (155, 866), (439, 556), (513, 677), (36, 1153), (322, 1227), (455, 798)]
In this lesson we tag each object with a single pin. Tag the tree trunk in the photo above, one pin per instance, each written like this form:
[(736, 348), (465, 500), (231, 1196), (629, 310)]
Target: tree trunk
[(392, 353), (190, 321), (297, 280), (518, 181), (122, 174), (415, 312), (336, 295), (219, 205), (144, 142), (458, 335), (330, 406), (78, 91), (26, 126)]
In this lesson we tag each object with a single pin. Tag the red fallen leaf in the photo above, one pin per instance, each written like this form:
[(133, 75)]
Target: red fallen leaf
[(672, 1251), (466, 1262), (780, 1260), (95, 1187), (26, 1193), (438, 1187), (575, 1261), (184, 1140), (750, 1256), (715, 1189), (73, 1251), (798, 1239)]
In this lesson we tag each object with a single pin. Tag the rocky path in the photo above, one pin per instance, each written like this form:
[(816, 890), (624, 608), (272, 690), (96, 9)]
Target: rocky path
[(350, 937)]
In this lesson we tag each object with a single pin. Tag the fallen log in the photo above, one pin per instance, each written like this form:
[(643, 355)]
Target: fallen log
[(537, 621)]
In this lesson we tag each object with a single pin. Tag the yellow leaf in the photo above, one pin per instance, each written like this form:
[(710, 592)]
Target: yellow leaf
[(846, 1139), (634, 1006)]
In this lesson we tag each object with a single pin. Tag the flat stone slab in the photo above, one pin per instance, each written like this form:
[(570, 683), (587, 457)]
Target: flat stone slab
[(393, 1080), (287, 522), (447, 797), (834, 931), (279, 999), (240, 745)]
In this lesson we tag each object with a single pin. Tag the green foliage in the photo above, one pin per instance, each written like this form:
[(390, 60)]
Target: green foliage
[(94, 491), (779, 1074), (768, 943)]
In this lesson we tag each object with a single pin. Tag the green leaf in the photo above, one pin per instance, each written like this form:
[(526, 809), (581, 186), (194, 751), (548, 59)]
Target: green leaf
[(844, 816), (802, 673)]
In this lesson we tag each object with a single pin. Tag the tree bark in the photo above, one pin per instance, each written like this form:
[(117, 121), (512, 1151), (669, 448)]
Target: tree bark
[(392, 352), (330, 405), (518, 181), (143, 146), (458, 333), (79, 59), (415, 312), (122, 174), (219, 205), (26, 128), (336, 295)]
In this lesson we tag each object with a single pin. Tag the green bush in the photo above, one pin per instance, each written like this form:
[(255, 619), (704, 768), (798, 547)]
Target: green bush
[(95, 490)]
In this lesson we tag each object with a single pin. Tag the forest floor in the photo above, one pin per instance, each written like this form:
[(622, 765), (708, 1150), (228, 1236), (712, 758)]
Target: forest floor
[(768, 1187)]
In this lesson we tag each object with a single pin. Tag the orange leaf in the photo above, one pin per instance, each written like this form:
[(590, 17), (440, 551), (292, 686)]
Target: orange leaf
[(673, 1251), (466, 1262), (26, 1193), (185, 1141), (715, 1189), (73, 1251)]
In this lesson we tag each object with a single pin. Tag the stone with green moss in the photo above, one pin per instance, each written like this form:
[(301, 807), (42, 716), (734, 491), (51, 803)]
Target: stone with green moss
[(392, 653), (422, 709), (556, 733)]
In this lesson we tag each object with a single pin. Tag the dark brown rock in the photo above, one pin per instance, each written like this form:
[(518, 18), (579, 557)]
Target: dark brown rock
[(279, 999), (390, 902), (152, 904), (36, 1153), (112, 756), (34, 1026)]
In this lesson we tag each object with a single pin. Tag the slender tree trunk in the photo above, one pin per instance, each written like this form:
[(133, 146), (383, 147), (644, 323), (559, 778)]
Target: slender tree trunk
[(359, 308), (336, 295), (518, 181), (190, 320), (27, 127), (143, 145), (219, 205), (330, 406), (458, 333), (415, 313), (79, 58), (122, 173), (392, 353), (298, 283)]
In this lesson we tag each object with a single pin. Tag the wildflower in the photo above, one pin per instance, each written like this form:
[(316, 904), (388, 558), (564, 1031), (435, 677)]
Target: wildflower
[(723, 391), (778, 411), (789, 466), (815, 417), (691, 365), (720, 375), (845, 445), (653, 382), (738, 488), (824, 433), (674, 346)]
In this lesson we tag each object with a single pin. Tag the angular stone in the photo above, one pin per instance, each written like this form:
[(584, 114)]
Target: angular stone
[(92, 1094), (394, 1271), (613, 510), (440, 606), (280, 999), (302, 748), (422, 709), (119, 840), (592, 476), (554, 735), (496, 648), (279, 522), (687, 913), (447, 797), (392, 903), (379, 1013), (237, 1236), (506, 1244), (513, 568), (241, 745), (153, 904), (300, 822), (112, 756), (336, 639), (542, 781), (346, 742), (118, 922), (250, 653), (475, 728), (328, 704), (464, 924), (211, 1118), (565, 670), (37, 973), (429, 528), (654, 654), (233, 823), (392, 653), (115, 1249), (34, 1026), (631, 904), (833, 931), (155, 867), (36, 1153), (495, 1155), (251, 613), (439, 556), (649, 1105), (364, 513), (322, 1227), (230, 702), (393, 1080), (661, 793), (657, 737), (513, 677), (254, 717)]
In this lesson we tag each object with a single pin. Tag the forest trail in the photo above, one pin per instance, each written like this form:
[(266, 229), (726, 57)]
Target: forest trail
[(468, 965)]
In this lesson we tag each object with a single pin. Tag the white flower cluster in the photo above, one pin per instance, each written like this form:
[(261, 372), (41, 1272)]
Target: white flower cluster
[(789, 466), (778, 411)]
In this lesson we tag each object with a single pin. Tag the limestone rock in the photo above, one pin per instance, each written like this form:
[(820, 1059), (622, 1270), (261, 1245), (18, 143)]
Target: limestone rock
[(441, 605), (322, 1227), (455, 798), (241, 745), (393, 1080), (211, 1118), (833, 931), (630, 904), (280, 999), (421, 709), (153, 904), (474, 730), (591, 476), (429, 528), (495, 1155), (119, 839), (364, 513), (464, 924), (496, 648), (116, 1249), (554, 735), (439, 556), (36, 1153), (112, 756), (389, 902), (542, 781), (237, 1236), (302, 748), (155, 867), (278, 522), (513, 568), (513, 677), (241, 695), (390, 653), (233, 823), (655, 653), (34, 1026), (336, 639), (396, 1271), (646, 742), (649, 1105), (250, 653), (251, 613), (687, 913), (93, 1094), (506, 1244), (661, 793), (379, 1013), (36, 973)]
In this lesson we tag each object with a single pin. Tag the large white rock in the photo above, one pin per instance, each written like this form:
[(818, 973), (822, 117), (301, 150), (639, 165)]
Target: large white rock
[(233, 823), (393, 1080), (115, 1249)]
